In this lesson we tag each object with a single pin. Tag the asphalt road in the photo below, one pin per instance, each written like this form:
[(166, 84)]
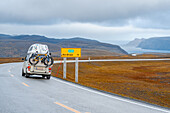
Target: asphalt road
[(36, 95)]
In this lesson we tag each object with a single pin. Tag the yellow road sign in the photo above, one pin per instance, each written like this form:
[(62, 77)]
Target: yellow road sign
[(70, 52)]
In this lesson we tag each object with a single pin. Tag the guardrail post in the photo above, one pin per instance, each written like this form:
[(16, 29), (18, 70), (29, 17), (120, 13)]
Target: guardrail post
[(89, 59), (76, 70), (64, 68)]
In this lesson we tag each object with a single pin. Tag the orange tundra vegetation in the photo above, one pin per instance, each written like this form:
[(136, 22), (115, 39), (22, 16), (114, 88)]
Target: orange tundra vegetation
[(10, 60), (146, 81)]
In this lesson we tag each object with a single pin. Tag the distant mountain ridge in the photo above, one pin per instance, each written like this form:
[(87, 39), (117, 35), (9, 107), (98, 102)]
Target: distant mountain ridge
[(154, 43), (17, 46), (135, 42)]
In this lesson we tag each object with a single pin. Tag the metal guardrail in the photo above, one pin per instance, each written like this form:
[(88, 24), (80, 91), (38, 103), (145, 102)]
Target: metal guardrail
[(109, 60)]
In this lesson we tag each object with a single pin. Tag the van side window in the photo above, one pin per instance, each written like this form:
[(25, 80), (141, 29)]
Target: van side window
[(30, 48), (27, 57)]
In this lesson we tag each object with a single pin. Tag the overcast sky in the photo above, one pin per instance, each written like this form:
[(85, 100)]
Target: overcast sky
[(104, 20)]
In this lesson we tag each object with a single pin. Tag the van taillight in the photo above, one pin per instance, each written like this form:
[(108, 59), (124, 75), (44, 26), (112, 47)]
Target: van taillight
[(29, 68), (49, 69)]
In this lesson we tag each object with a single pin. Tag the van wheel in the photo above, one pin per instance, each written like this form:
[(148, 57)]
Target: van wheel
[(27, 75), (43, 76), (48, 77), (23, 74)]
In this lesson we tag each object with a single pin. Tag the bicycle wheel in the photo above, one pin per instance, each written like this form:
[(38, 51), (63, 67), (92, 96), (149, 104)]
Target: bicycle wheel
[(33, 60), (48, 61)]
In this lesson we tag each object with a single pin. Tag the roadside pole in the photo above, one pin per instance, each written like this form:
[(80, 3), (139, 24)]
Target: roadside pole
[(89, 59), (76, 70), (64, 68)]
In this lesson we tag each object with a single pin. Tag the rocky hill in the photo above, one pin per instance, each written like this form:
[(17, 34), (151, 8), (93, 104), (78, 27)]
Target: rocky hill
[(17, 46)]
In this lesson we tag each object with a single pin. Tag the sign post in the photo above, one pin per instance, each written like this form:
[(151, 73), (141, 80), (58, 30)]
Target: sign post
[(71, 52), (64, 68), (76, 69)]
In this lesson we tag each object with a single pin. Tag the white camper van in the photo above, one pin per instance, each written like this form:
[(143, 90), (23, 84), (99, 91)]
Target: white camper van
[(38, 61)]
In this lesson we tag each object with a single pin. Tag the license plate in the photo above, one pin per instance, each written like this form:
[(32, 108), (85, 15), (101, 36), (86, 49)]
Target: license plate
[(39, 68)]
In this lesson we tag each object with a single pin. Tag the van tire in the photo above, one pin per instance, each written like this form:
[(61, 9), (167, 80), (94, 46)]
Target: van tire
[(43, 76), (23, 74), (48, 77), (27, 75)]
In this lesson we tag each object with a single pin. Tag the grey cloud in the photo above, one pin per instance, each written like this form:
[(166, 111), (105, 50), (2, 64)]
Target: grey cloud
[(157, 20), (92, 31), (106, 12)]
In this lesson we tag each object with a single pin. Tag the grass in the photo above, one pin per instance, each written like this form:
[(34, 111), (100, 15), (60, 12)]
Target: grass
[(147, 81)]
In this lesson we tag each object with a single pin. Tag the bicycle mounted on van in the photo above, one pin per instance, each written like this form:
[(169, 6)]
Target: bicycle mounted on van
[(44, 58)]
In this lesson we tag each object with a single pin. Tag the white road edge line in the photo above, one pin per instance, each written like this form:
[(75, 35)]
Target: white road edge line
[(114, 97)]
